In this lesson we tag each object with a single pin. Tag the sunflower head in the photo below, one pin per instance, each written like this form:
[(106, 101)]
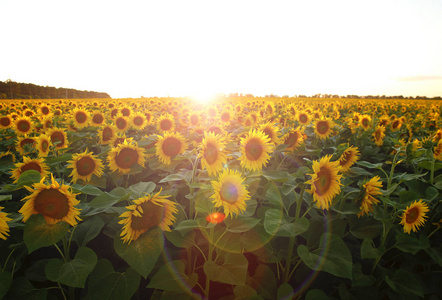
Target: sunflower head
[(323, 128), (58, 137), (213, 156), (348, 158), (107, 134), (84, 165), (414, 216), (271, 132), (293, 139), (5, 121), (125, 156), (121, 123), (255, 149), (166, 123), (97, 119), (80, 117), (170, 145), (370, 188), (147, 212), (378, 135), (37, 164), (23, 125), (4, 227), (53, 201)]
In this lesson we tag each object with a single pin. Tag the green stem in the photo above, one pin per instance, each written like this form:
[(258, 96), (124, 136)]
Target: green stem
[(192, 199), (384, 239), (288, 259), (432, 168), (59, 251), (209, 258), (433, 232), (62, 291), (7, 259)]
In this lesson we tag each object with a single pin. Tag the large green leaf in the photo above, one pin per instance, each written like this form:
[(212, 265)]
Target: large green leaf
[(87, 189), (22, 288), (106, 284), (285, 291), (87, 230), (275, 224), (38, 234), (332, 256), (368, 251), (365, 227), (232, 271), (245, 292), (5, 283), (28, 178), (273, 195), (141, 189), (75, 272), (143, 253), (404, 283), (263, 281), (240, 224), (172, 277), (411, 244)]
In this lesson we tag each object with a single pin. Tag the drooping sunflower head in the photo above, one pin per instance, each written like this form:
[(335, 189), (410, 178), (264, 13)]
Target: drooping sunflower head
[(84, 165), (293, 139), (58, 137), (43, 145), (348, 158), (325, 181), (170, 145), (23, 125), (25, 144), (166, 123), (80, 117), (371, 188), (213, 156), (271, 132), (125, 156), (255, 149), (378, 135), (323, 128), (4, 227), (396, 125), (230, 192), (365, 122), (437, 151), (147, 212), (28, 163), (107, 134), (414, 216), (53, 201)]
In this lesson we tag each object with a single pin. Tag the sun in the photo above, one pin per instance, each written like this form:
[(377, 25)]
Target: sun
[(203, 97)]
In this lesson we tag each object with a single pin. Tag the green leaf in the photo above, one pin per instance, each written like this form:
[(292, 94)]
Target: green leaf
[(285, 291), (263, 281), (87, 230), (360, 279), (22, 288), (276, 224), (276, 175), (75, 272), (106, 200), (87, 189), (316, 294), (368, 251), (431, 193), (273, 195), (404, 283), (369, 165), (38, 234), (172, 277), (143, 253), (240, 224), (106, 284), (5, 283), (141, 189), (335, 260), (359, 171), (245, 292), (179, 239), (362, 228), (410, 243), (5, 197), (28, 178), (232, 271)]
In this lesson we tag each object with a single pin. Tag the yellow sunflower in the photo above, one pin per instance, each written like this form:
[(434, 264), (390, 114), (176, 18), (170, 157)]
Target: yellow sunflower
[(303, 118), (5, 121), (213, 156), (97, 119), (146, 213), (84, 165), (169, 146), (138, 121), (365, 122), (414, 216), (325, 181), (43, 145), (348, 158), (107, 134), (230, 192), (126, 111), (23, 125), (293, 139), (47, 122), (45, 110), (372, 188), (166, 123), (255, 149), (270, 131), (194, 119), (25, 144), (54, 202), (323, 128), (125, 156), (4, 227), (226, 116), (378, 135), (36, 164), (396, 125), (121, 123), (80, 117), (58, 137)]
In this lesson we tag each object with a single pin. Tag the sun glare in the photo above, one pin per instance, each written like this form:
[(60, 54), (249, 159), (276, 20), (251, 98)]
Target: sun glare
[(203, 97)]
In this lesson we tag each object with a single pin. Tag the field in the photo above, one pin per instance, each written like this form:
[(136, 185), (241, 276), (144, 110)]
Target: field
[(240, 198)]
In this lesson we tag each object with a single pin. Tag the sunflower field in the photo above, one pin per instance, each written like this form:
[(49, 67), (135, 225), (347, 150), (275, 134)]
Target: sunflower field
[(240, 198)]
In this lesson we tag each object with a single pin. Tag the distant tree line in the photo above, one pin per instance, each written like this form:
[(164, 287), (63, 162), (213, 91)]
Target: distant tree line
[(17, 90)]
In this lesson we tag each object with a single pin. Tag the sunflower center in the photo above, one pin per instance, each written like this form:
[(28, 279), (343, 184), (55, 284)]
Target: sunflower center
[(44, 146), (303, 118), (194, 120), (364, 122), (51, 203), (211, 153), (25, 142), (5, 121), (98, 119), (31, 166), (412, 215), (152, 216), (171, 147), (81, 117), (292, 139), (107, 134), (322, 127), (138, 121), (45, 110), (395, 124), (225, 117), (58, 137), (121, 123), (254, 149), (125, 112), (23, 125), (166, 125), (126, 158), (323, 181), (377, 135), (85, 166), (229, 192)]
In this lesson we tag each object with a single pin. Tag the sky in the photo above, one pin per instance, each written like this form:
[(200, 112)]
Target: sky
[(130, 49)]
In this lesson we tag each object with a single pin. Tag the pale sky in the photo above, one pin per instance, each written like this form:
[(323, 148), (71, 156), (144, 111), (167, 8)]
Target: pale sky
[(200, 48)]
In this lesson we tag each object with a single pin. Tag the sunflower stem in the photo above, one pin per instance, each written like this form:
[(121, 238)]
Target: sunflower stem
[(192, 199), (7, 259), (432, 168), (433, 232), (209, 258), (59, 251)]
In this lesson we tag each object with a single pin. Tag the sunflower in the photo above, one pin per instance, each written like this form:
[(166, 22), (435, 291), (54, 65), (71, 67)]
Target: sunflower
[(325, 181), (5, 121), (97, 119), (226, 116), (271, 132), (45, 110), (293, 139), (365, 122), (83, 165), (138, 121), (54, 202), (396, 125), (303, 118), (58, 137), (126, 155), (348, 158), (36, 164), (372, 188), (47, 122), (213, 156), (43, 144), (107, 134), (255, 149), (323, 128), (378, 135), (414, 216), (437, 151), (4, 227), (80, 117), (23, 125), (146, 213), (25, 144), (126, 111), (169, 146), (166, 123), (121, 123), (230, 192), (194, 119)]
